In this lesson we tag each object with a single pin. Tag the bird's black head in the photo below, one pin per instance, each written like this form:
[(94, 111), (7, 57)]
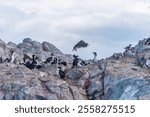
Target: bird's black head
[(59, 68), (11, 50), (95, 54)]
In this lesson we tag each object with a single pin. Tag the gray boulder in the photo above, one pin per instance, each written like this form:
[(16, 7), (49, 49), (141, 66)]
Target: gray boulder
[(27, 40), (48, 47), (94, 71), (74, 74), (127, 88), (94, 87), (11, 45)]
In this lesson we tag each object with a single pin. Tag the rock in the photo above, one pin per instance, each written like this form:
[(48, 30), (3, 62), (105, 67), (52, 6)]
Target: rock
[(128, 53), (50, 48), (52, 87), (20, 96), (117, 56), (94, 72), (74, 74), (76, 93), (145, 97), (39, 97), (1, 96), (26, 89), (94, 87), (15, 87), (141, 46), (60, 89), (81, 83), (147, 63), (11, 45), (121, 78), (37, 46), (6, 87), (9, 96), (2, 44), (27, 41), (126, 88), (52, 97)]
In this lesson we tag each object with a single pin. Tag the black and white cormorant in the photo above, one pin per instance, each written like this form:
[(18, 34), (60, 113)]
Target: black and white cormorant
[(11, 58), (61, 73)]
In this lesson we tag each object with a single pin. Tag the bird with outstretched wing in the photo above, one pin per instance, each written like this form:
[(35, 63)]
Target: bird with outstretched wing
[(80, 44)]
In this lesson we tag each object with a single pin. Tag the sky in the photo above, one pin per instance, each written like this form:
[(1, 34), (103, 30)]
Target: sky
[(107, 25)]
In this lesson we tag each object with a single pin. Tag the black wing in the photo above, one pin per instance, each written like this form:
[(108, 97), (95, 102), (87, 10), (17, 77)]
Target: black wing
[(80, 44)]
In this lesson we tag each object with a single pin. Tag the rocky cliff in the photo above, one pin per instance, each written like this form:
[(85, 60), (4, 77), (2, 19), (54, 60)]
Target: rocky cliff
[(122, 76)]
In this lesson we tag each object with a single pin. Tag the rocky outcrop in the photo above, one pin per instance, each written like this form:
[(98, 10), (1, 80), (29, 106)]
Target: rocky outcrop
[(129, 77), (17, 82), (122, 76)]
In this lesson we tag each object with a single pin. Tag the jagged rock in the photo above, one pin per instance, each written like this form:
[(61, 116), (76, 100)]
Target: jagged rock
[(11, 45), (128, 53), (94, 71), (125, 88), (117, 56), (37, 46), (27, 40), (141, 46), (74, 74), (95, 86)]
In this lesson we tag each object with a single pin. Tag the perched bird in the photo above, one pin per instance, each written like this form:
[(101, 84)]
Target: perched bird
[(39, 67), (95, 59), (62, 63), (49, 59), (75, 61), (55, 61), (33, 64), (128, 47), (80, 44), (11, 58), (61, 73)]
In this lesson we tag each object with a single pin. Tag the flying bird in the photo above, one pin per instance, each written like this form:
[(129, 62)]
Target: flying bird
[(80, 44)]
